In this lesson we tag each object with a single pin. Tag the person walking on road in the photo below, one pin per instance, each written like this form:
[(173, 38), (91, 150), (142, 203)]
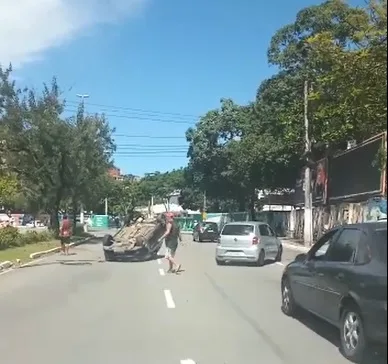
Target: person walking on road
[(172, 237), (65, 235)]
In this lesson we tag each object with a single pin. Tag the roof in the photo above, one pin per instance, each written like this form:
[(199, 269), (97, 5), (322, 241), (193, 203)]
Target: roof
[(246, 223)]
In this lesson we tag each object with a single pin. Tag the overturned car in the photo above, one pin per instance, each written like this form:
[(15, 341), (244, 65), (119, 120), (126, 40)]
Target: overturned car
[(138, 241)]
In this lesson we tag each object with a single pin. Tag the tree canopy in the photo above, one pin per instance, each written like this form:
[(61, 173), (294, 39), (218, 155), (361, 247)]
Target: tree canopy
[(342, 52), (50, 159)]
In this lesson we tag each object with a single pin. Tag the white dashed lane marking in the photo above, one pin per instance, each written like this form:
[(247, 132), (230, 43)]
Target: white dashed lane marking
[(169, 300), (162, 272)]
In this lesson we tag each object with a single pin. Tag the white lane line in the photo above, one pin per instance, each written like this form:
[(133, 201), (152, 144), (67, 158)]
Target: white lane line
[(169, 300), (161, 272), (279, 263), (187, 361), (159, 261)]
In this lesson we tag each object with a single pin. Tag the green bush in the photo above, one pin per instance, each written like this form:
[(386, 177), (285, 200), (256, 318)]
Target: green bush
[(11, 237)]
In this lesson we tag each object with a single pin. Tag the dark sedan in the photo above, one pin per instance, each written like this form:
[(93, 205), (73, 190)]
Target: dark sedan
[(343, 280), (205, 230)]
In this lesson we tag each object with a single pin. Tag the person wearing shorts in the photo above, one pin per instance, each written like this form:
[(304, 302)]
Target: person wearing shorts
[(172, 237), (65, 235)]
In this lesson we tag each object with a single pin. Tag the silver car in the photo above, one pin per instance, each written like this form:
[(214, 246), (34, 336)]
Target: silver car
[(248, 241)]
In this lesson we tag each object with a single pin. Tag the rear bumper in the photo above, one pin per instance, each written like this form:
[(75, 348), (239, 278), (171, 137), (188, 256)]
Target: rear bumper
[(250, 254)]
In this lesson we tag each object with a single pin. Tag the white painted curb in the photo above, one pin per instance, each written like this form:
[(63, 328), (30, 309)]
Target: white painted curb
[(55, 250), (5, 265)]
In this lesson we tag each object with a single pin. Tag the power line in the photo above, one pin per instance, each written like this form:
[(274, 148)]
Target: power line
[(168, 145), (150, 156), (148, 136), (142, 118), (137, 109)]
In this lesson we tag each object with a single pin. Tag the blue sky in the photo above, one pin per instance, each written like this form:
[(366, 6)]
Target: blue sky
[(153, 66)]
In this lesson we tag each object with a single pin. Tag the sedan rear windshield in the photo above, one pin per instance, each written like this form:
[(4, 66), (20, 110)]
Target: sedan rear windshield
[(381, 235), (238, 230)]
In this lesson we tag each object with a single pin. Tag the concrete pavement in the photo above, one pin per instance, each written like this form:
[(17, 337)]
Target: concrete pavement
[(77, 309)]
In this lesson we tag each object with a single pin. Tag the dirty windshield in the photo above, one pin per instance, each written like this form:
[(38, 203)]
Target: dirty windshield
[(163, 163)]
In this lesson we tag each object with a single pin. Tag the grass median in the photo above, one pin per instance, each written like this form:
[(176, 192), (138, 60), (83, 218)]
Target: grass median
[(23, 252), (16, 245)]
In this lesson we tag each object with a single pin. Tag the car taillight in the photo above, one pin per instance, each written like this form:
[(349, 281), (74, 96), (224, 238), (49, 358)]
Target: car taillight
[(255, 241)]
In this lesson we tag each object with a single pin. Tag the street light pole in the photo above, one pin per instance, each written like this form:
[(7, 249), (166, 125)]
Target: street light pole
[(308, 210), (82, 213)]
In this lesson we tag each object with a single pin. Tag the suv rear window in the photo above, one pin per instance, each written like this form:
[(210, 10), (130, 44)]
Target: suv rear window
[(381, 243), (238, 230), (209, 224)]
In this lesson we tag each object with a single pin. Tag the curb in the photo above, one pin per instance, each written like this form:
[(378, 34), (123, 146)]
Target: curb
[(56, 250), (8, 264), (295, 247), (5, 265)]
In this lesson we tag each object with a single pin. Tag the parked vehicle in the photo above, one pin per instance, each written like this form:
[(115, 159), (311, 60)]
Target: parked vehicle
[(343, 280), (206, 230), (248, 241)]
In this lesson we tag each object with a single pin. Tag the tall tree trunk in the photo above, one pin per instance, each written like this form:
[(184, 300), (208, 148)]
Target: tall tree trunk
[(54, 220), (252, 210), (74, 209)]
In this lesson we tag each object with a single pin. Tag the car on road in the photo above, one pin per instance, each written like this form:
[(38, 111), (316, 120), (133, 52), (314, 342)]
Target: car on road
[(343, 280), (248, 241), (206, 230)]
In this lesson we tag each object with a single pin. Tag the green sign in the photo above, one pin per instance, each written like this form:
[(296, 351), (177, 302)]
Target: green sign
[(100, 221)]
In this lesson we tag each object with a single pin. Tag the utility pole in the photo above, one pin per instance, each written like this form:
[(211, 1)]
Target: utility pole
[(204, 206), (82, 214), (308, 210)]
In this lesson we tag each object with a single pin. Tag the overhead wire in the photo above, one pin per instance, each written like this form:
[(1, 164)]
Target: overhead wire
[(111, 107)]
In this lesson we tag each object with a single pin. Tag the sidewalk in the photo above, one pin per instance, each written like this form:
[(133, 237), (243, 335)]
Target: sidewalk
[(294, 244)]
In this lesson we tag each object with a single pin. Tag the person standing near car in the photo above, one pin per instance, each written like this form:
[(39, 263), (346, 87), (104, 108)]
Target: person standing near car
[(65, 232), (172, 237)]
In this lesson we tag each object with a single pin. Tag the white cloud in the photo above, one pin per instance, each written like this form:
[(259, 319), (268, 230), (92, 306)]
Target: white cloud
[(30, 27)]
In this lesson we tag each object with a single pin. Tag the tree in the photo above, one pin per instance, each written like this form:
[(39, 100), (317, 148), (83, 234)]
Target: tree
[(342, 51), (55, 160), (9, 189), (90, 149), (35, 147)]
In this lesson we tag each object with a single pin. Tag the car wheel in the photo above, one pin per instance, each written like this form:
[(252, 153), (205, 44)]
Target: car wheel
[(107, 240), (220, 262), (261, 260), (353, 342), (279, 254), (288, 303)]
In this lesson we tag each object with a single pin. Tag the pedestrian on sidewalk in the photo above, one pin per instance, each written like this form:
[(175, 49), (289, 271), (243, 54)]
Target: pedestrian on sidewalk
[(65, 232), (172, 237)]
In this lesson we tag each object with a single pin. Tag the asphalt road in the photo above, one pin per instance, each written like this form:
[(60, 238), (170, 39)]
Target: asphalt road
[(80, 310)]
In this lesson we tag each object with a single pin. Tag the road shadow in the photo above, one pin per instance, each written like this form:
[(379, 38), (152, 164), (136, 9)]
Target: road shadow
[(376, 354), (93, 240), (60, 261), (137, 256), (249, 264)]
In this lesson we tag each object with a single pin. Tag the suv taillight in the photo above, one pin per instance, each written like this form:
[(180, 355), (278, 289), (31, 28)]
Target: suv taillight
[(255, 240)]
